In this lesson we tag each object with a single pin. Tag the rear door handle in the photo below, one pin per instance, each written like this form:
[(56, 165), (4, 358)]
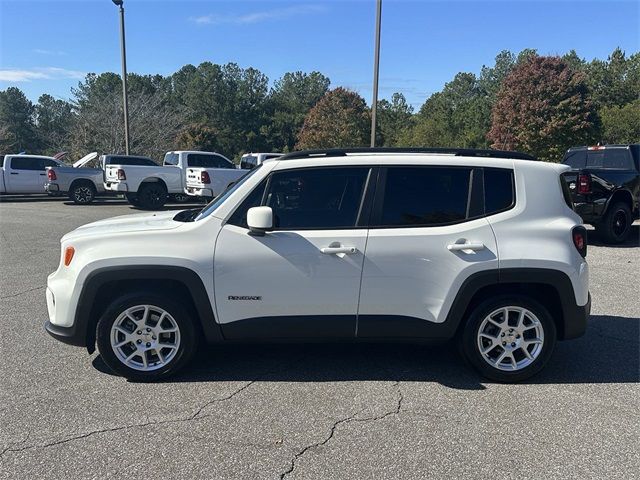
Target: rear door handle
[(458, 247), (335, 250)]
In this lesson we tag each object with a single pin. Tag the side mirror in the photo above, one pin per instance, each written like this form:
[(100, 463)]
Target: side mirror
[(260, 220)]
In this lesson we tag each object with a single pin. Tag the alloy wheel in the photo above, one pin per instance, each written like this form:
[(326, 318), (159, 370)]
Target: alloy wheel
[(510, 338), (145, 337)]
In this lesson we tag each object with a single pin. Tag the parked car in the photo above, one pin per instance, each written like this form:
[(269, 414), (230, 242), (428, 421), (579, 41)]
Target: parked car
[(85, 178), (249, 161), (604, 182), (208, 176), (149, 186), (25, 173), (358, 245)]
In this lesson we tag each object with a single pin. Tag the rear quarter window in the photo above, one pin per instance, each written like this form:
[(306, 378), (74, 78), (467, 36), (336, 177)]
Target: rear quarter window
[(208, 161), (499, 190)]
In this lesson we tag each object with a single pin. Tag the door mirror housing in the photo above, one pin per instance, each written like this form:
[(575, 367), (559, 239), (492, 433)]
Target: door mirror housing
[(259, 220)]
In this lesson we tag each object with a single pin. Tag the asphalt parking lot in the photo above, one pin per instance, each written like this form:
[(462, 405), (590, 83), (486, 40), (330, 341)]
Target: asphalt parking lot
[(343, 411)]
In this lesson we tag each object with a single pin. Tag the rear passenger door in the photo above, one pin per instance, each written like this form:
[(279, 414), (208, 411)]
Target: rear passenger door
[(428, 234)]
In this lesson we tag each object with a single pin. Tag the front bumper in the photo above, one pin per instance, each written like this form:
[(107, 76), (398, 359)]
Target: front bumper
[(198, 192), (116, 187), (69, 335)]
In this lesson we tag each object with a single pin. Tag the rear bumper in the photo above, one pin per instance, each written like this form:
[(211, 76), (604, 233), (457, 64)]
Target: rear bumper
[(51, 188), (575, 319), (198, 192), (116, 187)]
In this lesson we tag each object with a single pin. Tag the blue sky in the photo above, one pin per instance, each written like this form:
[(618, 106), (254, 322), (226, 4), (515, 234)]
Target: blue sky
[(46, 46)]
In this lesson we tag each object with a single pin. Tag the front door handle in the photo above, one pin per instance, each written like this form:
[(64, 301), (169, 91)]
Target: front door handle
[(458, 247), (15, 173), (336, 250)]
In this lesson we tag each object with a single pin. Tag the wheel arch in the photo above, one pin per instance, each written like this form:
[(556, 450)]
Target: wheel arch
[(182, 284), (551, 288), (83, 181), (154, 180), (621, 195)]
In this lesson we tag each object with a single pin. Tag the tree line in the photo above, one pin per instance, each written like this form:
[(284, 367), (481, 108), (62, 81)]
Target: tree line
[(537, 104)]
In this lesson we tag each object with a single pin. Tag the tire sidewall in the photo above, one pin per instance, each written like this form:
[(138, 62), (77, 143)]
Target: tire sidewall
[(469, 344), (145, 196), (610, 236), (185, 323), (74, 193)]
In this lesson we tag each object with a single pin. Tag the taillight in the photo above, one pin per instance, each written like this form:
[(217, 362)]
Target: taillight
[(121, 174), (584, 183), (68, 255), (204, 177), (51, 175), (579, 235)]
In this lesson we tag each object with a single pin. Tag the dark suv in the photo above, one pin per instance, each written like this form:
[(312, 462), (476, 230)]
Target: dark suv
[(605, 185)]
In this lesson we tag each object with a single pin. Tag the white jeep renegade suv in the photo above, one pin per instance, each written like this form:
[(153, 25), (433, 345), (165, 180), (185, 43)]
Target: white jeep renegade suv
[(358, 244)]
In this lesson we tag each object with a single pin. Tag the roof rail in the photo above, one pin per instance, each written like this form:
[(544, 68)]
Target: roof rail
[(458, 152)]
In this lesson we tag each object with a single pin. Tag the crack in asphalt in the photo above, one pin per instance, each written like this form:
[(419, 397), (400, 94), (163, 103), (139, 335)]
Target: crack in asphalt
[(349, 419), (195, 416), (23, 292)]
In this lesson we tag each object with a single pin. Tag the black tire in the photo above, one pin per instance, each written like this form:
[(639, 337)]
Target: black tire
[(183, 355), (180, 197), (132, 198), (470, 348), (82, 193), (616, 224), (152, 195)]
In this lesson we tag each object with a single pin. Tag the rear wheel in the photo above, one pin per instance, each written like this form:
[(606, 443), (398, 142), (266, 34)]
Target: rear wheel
[(132, 198), (146, 337), (509, 338), (152, 196), (616, 224), (82, 193)]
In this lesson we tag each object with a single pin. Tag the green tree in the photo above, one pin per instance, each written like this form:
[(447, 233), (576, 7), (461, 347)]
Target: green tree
[(394, 118), (17, 122), (621, 124), (543, 108), (615, 81), (340, 119), (290, 99), (54, 121)]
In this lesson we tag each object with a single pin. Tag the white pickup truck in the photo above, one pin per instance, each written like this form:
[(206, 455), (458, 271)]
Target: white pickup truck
[(149, 187), (25, 173)]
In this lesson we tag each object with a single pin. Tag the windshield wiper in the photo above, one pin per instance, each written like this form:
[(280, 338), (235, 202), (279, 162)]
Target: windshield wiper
[(187, 215)]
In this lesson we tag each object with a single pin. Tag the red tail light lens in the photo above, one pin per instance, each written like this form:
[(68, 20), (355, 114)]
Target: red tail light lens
[(204, 177), (579, 235), (121, 174), (584, 183), (51, 175)]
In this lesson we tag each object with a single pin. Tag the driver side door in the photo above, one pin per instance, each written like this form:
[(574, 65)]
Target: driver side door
[(302, 279)]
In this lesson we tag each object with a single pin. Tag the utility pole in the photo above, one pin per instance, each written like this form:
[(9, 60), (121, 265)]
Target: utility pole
[(123, 52), (376, 72)]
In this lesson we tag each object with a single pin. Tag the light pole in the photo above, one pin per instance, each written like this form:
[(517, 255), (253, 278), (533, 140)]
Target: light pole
[(125, 101), (376, 71)]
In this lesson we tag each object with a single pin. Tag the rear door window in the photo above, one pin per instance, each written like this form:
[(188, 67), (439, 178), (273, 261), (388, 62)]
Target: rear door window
[(576, 160), (171, 159), (424, 196)]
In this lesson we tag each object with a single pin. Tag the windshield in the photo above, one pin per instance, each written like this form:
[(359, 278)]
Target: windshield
[(219, 200)]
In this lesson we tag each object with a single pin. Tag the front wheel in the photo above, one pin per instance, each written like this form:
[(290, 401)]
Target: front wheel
[(509, 338), (146, 337)]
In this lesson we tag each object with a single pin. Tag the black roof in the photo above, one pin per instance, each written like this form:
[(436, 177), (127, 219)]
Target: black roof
[(606, 145), (458, 152)]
